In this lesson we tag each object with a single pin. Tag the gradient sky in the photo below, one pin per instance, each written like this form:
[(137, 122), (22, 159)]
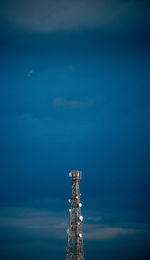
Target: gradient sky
[(74, 94)]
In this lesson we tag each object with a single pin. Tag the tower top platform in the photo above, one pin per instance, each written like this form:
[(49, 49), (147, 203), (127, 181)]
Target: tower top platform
[(75, 175)]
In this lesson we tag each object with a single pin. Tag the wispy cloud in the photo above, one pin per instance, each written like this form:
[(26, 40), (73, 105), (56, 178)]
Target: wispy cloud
[(52, 16), (41, 223), (94, 219), (66, 103), (29, 232), (108, 233), (53, 224), (30, 73)]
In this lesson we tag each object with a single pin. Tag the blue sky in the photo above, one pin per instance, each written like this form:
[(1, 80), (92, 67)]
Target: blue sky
[(74, 94)]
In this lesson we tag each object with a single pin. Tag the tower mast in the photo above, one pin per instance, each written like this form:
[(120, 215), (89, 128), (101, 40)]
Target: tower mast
[(75, 237)]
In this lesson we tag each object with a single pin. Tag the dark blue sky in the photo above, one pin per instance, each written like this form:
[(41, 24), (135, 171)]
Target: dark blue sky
[(74, 94)]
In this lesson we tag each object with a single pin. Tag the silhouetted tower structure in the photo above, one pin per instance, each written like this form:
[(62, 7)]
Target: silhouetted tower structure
[(75, 237)]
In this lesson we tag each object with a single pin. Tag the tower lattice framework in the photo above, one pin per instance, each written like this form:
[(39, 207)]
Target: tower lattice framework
[(75, 236)]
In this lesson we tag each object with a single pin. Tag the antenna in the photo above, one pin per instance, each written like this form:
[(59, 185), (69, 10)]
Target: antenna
[(75, 236)]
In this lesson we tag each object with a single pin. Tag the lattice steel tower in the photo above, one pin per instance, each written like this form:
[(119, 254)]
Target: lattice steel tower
[(75, 237)]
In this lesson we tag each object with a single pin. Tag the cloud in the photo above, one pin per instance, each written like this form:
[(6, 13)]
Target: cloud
[(109, 233), (61, 102), (30, 73), (94, 219), (54, 224), (63, 15), (34, 222)]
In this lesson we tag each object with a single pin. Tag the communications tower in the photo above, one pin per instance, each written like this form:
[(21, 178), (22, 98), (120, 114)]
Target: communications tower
[(75, 237)]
